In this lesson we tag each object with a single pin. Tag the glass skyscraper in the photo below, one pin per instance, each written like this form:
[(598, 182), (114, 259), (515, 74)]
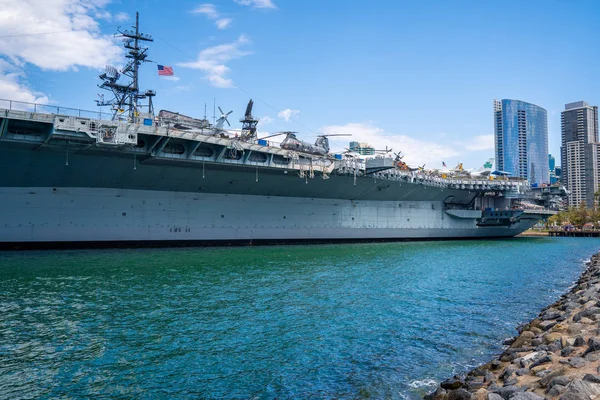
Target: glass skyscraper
[(521, 140)]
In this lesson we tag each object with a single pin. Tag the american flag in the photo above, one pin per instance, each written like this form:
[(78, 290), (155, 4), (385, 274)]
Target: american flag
[(444, 164), (164, 70)]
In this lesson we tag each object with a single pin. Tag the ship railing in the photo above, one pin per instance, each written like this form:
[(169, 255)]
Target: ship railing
[(456, 183), (41, 108)]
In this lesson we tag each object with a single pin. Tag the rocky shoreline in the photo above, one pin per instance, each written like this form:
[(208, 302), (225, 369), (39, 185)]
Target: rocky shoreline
[(555, 356)]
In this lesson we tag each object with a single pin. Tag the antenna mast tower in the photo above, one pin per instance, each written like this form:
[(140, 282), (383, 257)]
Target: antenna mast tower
[(127, 95)]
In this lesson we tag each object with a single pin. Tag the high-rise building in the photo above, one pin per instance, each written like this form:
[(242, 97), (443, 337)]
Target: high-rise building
[(364, 149), (552, 168), (579, 152), (521, 140)]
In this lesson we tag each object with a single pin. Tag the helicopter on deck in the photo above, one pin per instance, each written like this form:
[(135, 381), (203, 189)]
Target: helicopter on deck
[(291, 142)]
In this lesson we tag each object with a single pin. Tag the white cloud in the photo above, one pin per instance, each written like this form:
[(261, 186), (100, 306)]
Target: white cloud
[(288, 114), (257, 3), (13, 87), (223, 23), (481, 142), (212, 60), (265, 120), (210, 11), (170, 78), (122, 17), (416, 152), (69, 35)]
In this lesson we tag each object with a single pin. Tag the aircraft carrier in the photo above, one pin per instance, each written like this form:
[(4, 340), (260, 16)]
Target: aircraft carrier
[(133, 177)]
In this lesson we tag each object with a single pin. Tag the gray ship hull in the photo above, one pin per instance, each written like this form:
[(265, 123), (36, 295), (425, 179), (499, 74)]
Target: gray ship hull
[(46, 214), (63, 187)]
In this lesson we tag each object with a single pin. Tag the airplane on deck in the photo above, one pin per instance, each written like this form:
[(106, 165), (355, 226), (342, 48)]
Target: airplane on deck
[(484, 170)]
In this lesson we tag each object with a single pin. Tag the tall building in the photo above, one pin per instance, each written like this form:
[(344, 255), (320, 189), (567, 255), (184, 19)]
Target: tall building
[(579, 152), (364, 149), (521, 140), (552, 168)]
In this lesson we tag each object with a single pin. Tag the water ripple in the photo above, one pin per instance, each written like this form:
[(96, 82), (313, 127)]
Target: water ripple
[(344, 321)]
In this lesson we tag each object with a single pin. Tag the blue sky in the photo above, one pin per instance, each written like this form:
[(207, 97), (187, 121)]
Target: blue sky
[(417, 76)]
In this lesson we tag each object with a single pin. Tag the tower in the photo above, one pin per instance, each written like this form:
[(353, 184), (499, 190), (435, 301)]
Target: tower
[(521, 140), (579, 152)]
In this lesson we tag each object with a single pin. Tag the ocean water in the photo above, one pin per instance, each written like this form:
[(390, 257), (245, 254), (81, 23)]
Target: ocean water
[(351, 321)]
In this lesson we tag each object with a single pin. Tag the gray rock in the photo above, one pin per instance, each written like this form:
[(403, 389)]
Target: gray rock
[(593, 356), (478, 372), (567, 351), (592, 378), (506, 391), (494, 396), (526, 396), (578, 390), (537, 341), (495, 364), (544, 382), (459, 394), (579, 341), (554, 346), (593, 345), (550, 315), (545, 325), (577, 362), (508, 371), (522, 371), (543, 373), (473, 386), (489, 377), (452, 383), (559, 380), (540, 361), (511, 382), (556, 390)]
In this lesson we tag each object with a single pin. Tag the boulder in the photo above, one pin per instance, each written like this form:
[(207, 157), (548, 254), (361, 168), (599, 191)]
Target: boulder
[(545, 381), (593, 356), (541, 361), (459, 394), (452, 383), (523, 339), (506, 391), (579, 341), (565, 352), (556, 390), (494, 396), (526, 396), (559, 380), (592, 378), (545, 325), (578, 390), (577, 362), (593, 345), (522, 371)]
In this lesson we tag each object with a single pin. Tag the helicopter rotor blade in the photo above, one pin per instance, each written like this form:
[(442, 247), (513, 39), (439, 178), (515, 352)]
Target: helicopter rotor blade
[(221, 111)]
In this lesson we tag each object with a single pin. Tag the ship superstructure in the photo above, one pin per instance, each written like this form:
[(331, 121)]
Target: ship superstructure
[(133, 177)]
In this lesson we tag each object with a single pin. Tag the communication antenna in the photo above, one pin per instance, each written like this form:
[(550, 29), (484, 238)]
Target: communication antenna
[(127, 94)]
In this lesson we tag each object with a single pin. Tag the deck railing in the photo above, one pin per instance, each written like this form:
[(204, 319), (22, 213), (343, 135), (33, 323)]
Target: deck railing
[(52, 109)]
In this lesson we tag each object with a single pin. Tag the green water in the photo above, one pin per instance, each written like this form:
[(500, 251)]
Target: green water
[(329, 321)]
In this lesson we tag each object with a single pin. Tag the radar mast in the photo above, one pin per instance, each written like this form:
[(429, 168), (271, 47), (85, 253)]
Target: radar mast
[(127, 95)]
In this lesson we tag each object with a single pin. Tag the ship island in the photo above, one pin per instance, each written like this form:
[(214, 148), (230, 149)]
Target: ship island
[(135, 177)]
